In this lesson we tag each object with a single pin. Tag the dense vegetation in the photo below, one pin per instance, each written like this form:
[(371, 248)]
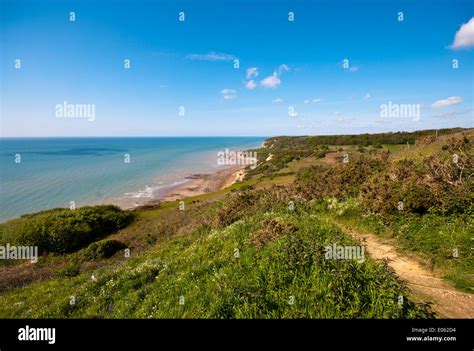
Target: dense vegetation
[(252, 268), (257, 249), (285, 149), (62, 230), (441, 181), (358, 139)]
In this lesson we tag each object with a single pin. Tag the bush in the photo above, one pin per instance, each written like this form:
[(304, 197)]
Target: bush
[(247, 202), (71, 270), (321, 154), (271, 229), (439, 182), (63, 230), (342, 180), (103, 249), (288, 158)]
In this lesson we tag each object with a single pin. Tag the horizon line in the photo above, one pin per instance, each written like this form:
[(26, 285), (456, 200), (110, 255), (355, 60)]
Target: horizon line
[(215, 136)]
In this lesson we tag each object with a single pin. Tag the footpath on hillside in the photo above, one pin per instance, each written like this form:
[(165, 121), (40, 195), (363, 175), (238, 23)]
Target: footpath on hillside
[(426, 285)]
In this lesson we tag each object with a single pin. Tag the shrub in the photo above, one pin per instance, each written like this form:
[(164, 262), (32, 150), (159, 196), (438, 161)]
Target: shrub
[(72, 269), (63, 230), (321, 154), (248, 202), (341, 180), (440, 182), (271, 229), (103, 249), (288, 158)]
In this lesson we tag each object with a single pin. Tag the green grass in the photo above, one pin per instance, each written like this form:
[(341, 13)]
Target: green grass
[(205, 270), (191, 254), (441, 242)]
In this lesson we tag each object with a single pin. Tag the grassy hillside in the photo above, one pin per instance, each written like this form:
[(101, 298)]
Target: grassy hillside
[(268, 265), (257, 249)]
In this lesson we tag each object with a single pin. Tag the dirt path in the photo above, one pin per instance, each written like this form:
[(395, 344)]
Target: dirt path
[(426, 285)]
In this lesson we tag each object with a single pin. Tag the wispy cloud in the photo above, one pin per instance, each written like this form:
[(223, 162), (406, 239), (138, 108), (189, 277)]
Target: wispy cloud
[(283, 68), (464, 37), (453, 100), (367, 96), (314, 101), (252, 72), (251, 85), (211, 56), (452, 114), (277, 101), (229, 94), (341, 119)]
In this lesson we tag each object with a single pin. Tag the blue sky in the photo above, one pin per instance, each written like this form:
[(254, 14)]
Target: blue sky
[(302, 86)]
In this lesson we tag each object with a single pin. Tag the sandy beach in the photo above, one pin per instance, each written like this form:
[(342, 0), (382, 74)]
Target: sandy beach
[(195, 184), (199, 184)]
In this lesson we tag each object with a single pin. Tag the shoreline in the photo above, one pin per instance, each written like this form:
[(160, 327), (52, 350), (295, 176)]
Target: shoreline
[(202, 183), (201, 176), (192, 185)]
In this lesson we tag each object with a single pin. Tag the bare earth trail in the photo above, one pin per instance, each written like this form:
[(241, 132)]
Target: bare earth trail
[(426, 285)]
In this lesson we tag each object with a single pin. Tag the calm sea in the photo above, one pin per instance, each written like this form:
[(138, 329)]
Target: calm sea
[(42, 173)]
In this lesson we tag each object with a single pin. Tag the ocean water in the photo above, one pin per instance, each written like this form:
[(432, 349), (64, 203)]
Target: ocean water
[(52, 172)]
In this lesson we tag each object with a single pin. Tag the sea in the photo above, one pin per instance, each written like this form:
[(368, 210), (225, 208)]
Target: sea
[(43, 173)]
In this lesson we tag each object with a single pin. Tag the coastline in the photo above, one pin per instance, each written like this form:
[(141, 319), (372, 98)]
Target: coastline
[(192, 185), (164, 169), (202, 183)]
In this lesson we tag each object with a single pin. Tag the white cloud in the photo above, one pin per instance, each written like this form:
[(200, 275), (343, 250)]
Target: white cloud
[(211, 56), (271, 82), (464, 37), (367, 96), (316, 100), (453, 100), (229, 94), (274, 80), (252, 72), (277, 100), (281, 69), (251, 84), (306, 101)]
